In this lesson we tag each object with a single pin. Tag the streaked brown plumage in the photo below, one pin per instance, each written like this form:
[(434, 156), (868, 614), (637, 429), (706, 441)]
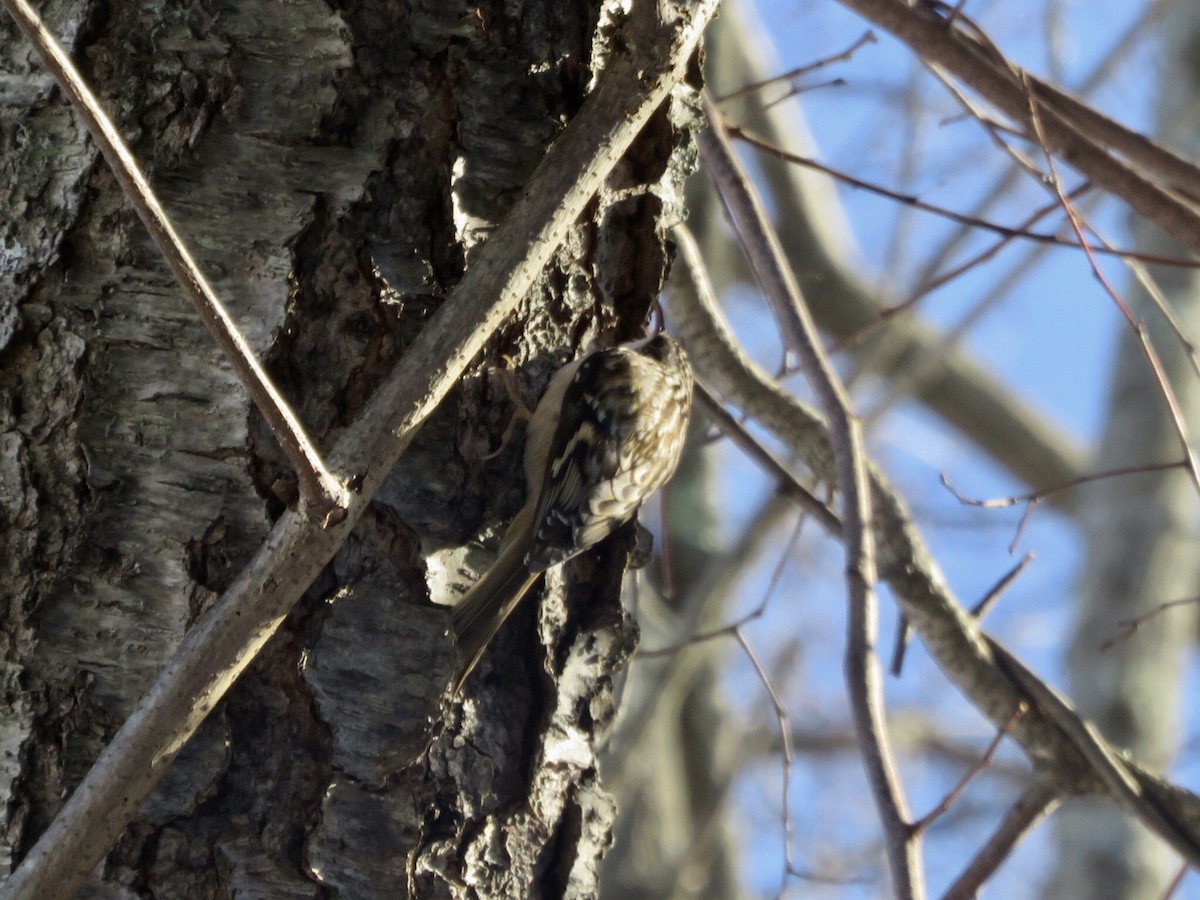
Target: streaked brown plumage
[(606, 435)]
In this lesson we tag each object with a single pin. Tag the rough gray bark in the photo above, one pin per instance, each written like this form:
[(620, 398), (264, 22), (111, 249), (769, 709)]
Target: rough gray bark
[(672, 761), (303, 150), (1140, 535)]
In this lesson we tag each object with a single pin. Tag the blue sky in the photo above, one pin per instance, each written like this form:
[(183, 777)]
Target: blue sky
[(1051, 340)]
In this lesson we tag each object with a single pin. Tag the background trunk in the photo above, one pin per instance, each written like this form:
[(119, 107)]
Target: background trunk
[(1140, 535)]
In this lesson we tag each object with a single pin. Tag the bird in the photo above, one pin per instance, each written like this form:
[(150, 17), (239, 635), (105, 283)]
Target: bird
[(607, 433)]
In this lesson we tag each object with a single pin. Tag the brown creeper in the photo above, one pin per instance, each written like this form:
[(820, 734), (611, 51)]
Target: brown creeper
[(606, 435)]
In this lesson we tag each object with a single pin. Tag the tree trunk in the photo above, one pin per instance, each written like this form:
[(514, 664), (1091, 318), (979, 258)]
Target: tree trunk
[(332, 168), (1140, 535)]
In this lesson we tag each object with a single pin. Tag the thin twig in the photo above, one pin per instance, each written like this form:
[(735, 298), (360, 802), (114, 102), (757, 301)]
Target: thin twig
[(784, 479), (980, 764), (323, 491), (1037, 802), (730, 426), (979, 610), (916, 737), (960, 391), (1142, 275), (716, 582), (994, 680), (1046, 493), (1139, 328), (220, 646), (1002, 186), (999, 133), (1034, 498), (863, 672), (985, 604), (785, 736), (1042, 179), (730, 629), (926, 287), (1071, 129), (1130, 626), (1012, 233), (867, 37)]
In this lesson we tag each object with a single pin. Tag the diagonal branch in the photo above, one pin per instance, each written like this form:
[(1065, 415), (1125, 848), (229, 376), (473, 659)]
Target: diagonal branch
[(1023, 231), (1099, 72), (958, 390), (1136, 796), (223, 643), (322, 490), (1178, 420), (1066, 748), (1037, 802), (1072, 130)]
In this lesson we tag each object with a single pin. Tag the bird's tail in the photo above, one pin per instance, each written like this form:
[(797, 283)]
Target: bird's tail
[(482, 610)]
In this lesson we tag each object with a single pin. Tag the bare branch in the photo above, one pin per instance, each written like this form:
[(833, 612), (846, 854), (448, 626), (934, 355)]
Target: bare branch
[(787, 481), (1130, 626), (785, 736), (1037, 802), (1131, 792), (728, 425), (868, 37), (1008, 232), (1002, 185), (991, 678), (960, 391), (979, 610), (934, 282), (1139, 328), (980, 764), (996, 591), (1044, 493), (1072, 130)]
